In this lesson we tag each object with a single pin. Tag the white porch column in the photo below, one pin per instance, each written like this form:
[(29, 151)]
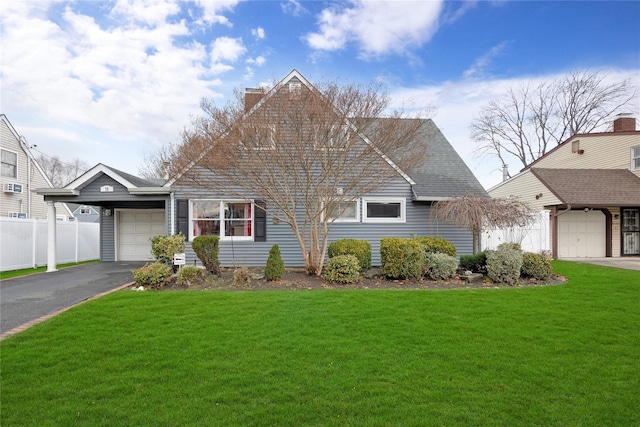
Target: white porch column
[(51, 238)]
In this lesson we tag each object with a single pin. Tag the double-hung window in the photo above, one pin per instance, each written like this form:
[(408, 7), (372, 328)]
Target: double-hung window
[(635, 158), (225, 219), (9, 164), (384, 210)]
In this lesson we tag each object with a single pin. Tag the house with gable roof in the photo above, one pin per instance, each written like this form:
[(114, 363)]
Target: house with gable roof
[(590, 184), (20, 175), (133, 210)]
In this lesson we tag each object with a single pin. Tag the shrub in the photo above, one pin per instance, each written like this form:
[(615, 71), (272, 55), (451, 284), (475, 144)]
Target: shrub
[(536, 265), (206, 248), (476, 263), (342, 269), (188, 273), (163, 247), (241, 276), (361, 249), (275, 266), (440, 266), (510, 245), (503, 266), (401, 258), (437, 245), (152, 274)]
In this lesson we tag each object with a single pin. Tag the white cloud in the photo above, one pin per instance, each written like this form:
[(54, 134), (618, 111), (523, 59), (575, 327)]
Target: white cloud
[(258, 60), (258, 33), (226, 49), (376, 27), (481, 64), (150, 12), (211, 11), (293, 7)]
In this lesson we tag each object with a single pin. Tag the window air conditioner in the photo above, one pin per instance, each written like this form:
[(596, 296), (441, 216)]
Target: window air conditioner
[(21, 215), (12, 187)]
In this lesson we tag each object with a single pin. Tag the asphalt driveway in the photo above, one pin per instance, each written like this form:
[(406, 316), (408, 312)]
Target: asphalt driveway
[(28, 298)]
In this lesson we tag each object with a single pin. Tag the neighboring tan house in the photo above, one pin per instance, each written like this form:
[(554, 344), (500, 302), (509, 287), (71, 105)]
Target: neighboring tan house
[(591, 185), (20, 176), (134, 210)]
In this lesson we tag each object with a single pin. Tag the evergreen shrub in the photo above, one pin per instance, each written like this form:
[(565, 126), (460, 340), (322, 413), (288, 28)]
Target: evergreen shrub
[(275, 266), (536, 266), (503, 266), (440, 266), (401, 258), (342, 269), (188, 273), (476, 263), (437, 245), (361, 249), (206, 248), (152, 274), (163, 247)]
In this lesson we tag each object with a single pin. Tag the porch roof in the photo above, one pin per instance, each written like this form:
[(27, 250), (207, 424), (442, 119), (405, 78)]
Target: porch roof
[(591, 187)]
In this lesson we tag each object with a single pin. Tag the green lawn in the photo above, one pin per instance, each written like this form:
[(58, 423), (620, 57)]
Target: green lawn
[(565, 355)]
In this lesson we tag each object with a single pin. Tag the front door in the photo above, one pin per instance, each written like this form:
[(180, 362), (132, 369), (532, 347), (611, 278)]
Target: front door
[(630, 231)]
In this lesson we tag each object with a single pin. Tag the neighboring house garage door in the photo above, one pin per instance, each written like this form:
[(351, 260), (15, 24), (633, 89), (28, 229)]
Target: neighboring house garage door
[(581, 234), (136, 227)]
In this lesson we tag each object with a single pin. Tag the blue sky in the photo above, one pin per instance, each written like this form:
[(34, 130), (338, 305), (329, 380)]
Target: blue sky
[(112, 81)]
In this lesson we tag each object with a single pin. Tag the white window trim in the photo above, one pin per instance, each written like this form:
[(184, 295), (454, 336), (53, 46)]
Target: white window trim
[(633, 159), (18, 162), (342, 220), (403, 209), (222, 236)]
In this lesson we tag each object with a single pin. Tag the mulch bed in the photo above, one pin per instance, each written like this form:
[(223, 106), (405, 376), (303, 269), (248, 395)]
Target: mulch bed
[(297, 279)]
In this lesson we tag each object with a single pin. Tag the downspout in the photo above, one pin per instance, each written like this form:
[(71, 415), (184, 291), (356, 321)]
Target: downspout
[(172, 214)]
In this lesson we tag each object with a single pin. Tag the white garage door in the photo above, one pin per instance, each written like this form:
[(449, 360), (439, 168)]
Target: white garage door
[(581, 234), (136, 227)]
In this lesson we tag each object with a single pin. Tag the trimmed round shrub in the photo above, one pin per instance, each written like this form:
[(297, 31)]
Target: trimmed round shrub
[(341, 269), (437, 245), (188, 273), (536, 266), (510, 245), (504, 266), (440, 266), (476, 263), (163, 247), (401, 258), (152, 274), (361, 249), (206, 248), (275, 266)]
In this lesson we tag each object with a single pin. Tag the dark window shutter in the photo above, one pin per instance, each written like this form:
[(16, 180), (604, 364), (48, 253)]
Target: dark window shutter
[(260, 218), (182, 217)]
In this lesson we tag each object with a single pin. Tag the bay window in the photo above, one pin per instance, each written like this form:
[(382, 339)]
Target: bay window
[(225, 219)]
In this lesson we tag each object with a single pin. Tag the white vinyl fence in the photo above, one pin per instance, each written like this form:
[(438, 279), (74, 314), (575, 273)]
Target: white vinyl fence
[(23, 242), (533, 238)]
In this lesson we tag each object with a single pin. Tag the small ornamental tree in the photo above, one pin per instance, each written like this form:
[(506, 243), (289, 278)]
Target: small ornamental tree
[(275, 266)]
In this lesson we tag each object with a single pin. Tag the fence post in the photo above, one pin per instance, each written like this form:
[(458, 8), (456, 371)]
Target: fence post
[(34, 241)]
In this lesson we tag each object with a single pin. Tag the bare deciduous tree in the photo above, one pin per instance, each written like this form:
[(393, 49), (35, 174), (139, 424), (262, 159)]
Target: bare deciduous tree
[(155, 165), (476, 212), (530, 120), (307, 151), (61, 173)]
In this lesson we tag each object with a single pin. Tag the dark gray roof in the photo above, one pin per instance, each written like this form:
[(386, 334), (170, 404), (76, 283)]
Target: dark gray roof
[(591, 187), (443, 173), (136, 180)]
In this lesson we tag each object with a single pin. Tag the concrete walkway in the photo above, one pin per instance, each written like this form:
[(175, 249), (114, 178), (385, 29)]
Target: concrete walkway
[(626, 263), (27, 300)]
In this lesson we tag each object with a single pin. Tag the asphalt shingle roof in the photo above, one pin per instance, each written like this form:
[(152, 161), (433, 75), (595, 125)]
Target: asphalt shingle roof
[(592, 187)]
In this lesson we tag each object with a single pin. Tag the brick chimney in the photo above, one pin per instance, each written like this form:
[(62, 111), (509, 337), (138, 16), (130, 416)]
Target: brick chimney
[(251, 97), (624, 124)]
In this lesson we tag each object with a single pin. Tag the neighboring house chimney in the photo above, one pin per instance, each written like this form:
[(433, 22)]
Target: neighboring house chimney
[(624, 124), (251, 97), (505, 172)]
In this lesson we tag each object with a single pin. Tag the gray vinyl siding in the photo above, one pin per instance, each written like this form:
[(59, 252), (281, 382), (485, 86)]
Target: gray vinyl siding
[(92, 193), (107, 238), (254, 254)]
